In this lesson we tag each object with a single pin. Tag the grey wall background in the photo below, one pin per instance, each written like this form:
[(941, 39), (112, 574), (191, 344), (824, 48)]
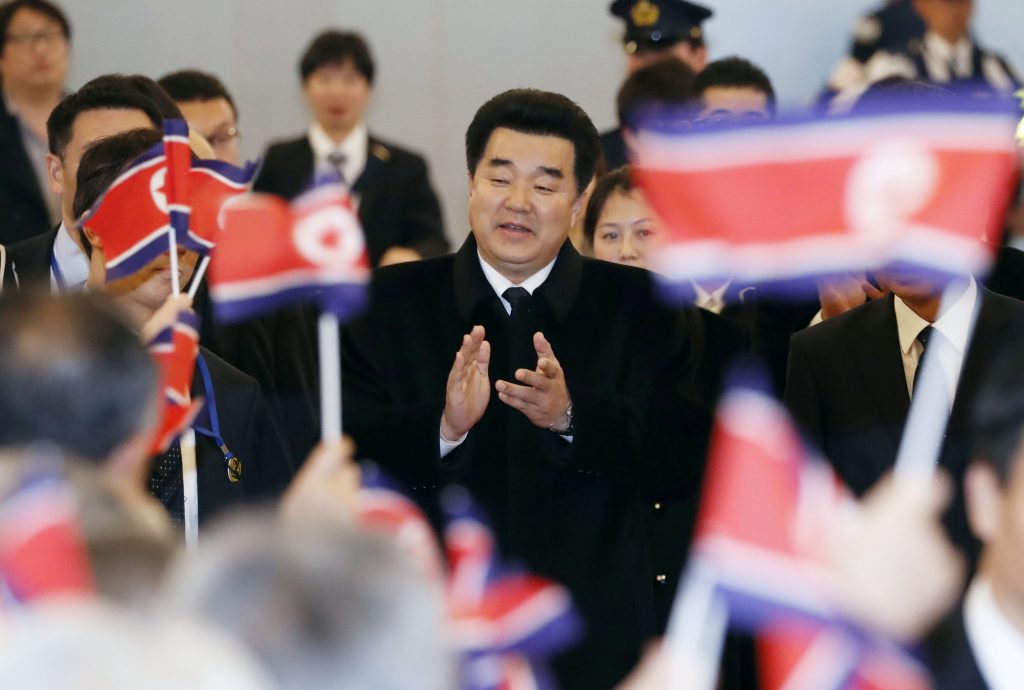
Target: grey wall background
[(438, 60)]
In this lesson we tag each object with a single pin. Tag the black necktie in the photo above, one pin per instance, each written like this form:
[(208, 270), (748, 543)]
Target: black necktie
[(519, 298), (166, 484), (926, 335), (337, 160)]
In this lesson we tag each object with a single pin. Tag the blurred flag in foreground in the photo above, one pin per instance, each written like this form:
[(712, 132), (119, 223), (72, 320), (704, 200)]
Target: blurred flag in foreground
[(785, 201), (42, 549), (504, 624), (272, 254), (175, 349), (766, 519), (211, 185)]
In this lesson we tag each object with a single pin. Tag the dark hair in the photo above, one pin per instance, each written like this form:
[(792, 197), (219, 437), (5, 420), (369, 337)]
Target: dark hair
[(104, 160), (334, 47), (48, 9), (737, 73), (71, 373), (664, 83), (531, 111), (149, 89), (899, 93), (618, 180), (108, 92), (997, 415), (189, 85)]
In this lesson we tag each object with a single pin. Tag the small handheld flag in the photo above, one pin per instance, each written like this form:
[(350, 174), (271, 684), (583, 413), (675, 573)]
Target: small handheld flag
[(175, 350)]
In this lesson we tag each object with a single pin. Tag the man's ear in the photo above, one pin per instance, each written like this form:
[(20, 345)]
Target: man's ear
[(581, 201), (469, 185), (982, 491), (55, 174)]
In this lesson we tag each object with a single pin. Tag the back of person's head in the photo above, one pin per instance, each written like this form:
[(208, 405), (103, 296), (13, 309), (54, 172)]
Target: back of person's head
[(104, 160), (188, 85), (110, 92), (148, 89), (734, 73), (73, 374), (543, 113), (43, 7), (618, 180), (894, 94), (334, 47), (665, 83), (97, 645), (321, 606)]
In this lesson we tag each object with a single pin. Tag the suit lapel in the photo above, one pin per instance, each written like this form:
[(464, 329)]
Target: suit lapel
[(876, 353), (992, 317), (377, 155)]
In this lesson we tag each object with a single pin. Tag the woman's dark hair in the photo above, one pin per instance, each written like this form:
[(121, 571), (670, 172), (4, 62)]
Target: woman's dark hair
[(618, 180)]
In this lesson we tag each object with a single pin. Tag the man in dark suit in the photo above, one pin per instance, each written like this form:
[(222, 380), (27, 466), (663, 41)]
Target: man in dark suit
[(397, 207), (988, 636), (240, 454), (56, 258), (570, 390), (34, 48), (850, 379)]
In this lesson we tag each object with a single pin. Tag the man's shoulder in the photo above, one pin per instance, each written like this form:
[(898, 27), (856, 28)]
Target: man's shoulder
[(285, 149), (856, 323), (226, 379), (412, 280), (391, 153), (613, 283), (30, 258)]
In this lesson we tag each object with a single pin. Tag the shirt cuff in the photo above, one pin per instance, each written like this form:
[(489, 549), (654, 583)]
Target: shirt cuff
[(447, 446)]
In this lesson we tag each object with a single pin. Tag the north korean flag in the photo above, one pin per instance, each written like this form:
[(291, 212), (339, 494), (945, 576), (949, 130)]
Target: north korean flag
[(131, 218), (175, 350), (503, 623), (42, 549), (211, 185), (272, 254), (790, 200)]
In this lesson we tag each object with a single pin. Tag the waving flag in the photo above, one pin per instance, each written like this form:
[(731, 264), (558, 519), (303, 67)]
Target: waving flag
[(178, 161), (271, 255), (131, 218), (381, 507), (784, 201), (42, 549), (211, 185), (175, 350), (504, 624), (766, 519)]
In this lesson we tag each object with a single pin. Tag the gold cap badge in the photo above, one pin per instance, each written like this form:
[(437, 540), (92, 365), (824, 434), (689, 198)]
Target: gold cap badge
[(645, 13)]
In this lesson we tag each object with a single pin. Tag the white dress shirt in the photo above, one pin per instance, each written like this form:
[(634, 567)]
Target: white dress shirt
[(354, 147), (71, 262), (997, 645), (499, 284), (954, 325), (713, 301)]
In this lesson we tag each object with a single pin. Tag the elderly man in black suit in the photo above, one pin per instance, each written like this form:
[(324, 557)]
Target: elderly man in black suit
[(397, 207), (850, 379), (570, 389)]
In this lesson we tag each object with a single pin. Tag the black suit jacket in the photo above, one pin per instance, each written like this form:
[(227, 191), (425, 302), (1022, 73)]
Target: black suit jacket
[(249, 432), (957, 668), (847, 390), (397, 205), (23, 212), (570, 511), (30, 260)]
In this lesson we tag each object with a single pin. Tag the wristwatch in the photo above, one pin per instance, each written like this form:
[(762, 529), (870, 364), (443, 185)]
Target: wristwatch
[(569, 428)]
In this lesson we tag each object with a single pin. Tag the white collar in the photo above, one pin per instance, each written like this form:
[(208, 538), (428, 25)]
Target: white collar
[(997, 644), (954, 324), (354, 147), (500, 283), (71, 260), (717, 296), (956, 54)]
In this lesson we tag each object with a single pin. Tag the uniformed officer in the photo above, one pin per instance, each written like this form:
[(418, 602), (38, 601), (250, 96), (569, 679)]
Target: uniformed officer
[(656, 29)]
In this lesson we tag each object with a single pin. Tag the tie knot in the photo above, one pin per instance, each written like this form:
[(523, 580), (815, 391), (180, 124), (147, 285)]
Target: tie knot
[(517, 297), (336, 158), (925, 335)]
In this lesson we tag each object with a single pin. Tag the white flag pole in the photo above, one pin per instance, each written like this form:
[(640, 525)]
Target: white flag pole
[(330, 379), (190, 481), (172, 243), (924, 433), (198, 277), (696, 631)]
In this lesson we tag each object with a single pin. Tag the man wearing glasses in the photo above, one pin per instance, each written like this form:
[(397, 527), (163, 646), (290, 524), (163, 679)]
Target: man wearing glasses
[(35, 37), (209, 109)]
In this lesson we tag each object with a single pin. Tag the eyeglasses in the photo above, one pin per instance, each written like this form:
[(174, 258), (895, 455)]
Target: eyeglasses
[(224, 137), (46, 38)]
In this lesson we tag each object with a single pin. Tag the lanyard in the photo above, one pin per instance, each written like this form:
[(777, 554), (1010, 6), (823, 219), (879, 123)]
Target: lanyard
[(58, 275), (231, 463)]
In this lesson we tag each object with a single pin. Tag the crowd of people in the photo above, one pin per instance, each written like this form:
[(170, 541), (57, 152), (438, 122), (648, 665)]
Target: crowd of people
[(534, 366)]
